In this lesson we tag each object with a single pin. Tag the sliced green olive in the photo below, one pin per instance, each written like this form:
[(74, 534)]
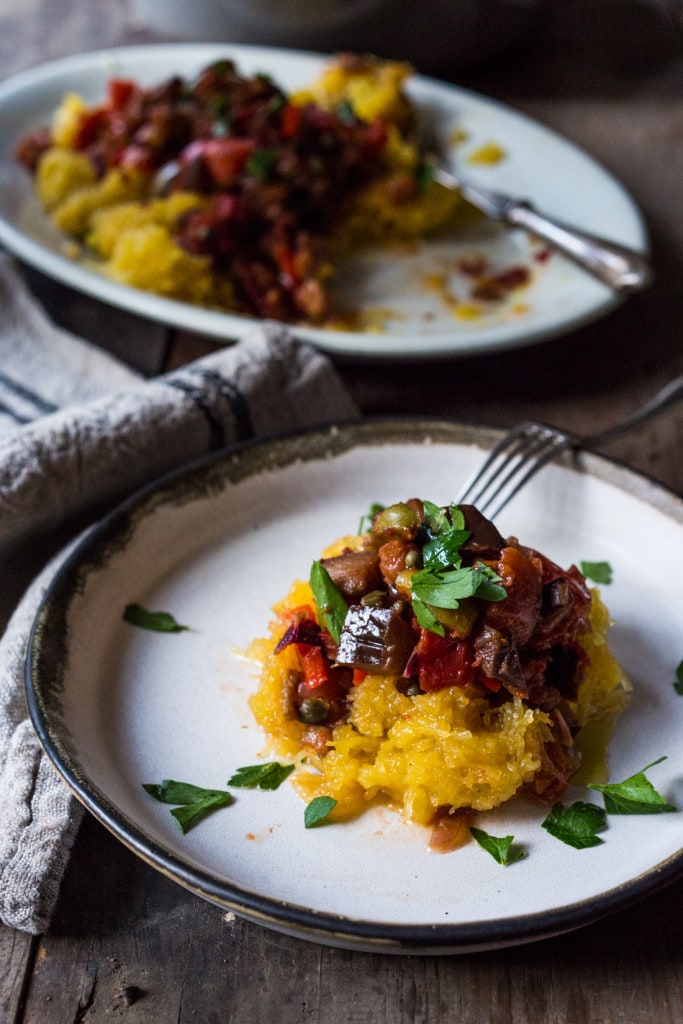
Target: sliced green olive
[(398, 518)]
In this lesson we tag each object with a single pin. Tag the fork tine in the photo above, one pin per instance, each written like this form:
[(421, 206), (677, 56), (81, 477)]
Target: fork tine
[(489, 469), (534, 459), (513, 461)]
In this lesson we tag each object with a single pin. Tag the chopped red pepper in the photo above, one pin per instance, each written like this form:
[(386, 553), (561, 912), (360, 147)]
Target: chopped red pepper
[(314, 664), (291, 119), (358, 676), (443, 662)]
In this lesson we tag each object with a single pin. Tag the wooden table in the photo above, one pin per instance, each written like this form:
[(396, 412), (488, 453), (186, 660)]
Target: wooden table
[(129, 944)]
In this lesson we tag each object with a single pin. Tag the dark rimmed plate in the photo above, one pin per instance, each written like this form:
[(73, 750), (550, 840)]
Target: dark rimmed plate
[(217, 545)]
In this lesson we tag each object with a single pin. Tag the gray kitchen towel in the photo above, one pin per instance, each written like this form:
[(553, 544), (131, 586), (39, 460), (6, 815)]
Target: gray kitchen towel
[(79, 432)]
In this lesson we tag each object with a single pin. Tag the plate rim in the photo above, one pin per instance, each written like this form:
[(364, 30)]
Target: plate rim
[(229, 327), (320, 926)]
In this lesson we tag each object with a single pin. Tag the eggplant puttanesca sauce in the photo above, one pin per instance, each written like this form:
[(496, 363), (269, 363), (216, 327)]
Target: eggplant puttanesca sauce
[(512, 634), (278, 176)]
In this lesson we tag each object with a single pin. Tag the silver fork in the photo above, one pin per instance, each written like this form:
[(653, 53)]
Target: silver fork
[(529, 446), (617, 266)]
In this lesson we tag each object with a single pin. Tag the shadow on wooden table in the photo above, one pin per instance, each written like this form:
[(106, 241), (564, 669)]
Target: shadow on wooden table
[(123, 928)]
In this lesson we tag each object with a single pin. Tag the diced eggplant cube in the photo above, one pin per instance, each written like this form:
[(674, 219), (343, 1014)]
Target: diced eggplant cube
[(375, 640)]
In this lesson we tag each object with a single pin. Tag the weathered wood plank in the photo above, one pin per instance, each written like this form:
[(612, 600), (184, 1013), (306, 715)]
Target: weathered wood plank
[(128, 939), (129, 943), (16, 957)]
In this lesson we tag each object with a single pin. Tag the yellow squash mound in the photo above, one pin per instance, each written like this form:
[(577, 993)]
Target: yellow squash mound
[(121, 223), (421, 753)]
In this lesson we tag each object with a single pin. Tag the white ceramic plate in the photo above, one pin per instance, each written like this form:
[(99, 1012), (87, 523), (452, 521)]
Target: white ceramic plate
[(118, 706), (539, 165)]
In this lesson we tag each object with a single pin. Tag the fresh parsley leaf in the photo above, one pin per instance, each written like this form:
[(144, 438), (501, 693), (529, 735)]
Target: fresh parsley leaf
[(598, 572), (498, 846), (276, 103), (318, 810), (265, 776), (457, 518), (366, 520), (160, 622), (172, 792), (329, 600), (261, 163), (436, 518), (678, 685), (426, 617), (189, 814), (195, 800), (424, 175), (446, 589), (489, 587), (635, 795), (346, 112), (443, 589), (443, 552), (576, 825)]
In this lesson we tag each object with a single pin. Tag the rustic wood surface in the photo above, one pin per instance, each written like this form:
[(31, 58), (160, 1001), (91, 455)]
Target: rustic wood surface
[(127, 943)]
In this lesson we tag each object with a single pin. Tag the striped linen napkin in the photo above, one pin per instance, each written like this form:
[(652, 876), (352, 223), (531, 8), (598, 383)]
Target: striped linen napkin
[(78, 433)]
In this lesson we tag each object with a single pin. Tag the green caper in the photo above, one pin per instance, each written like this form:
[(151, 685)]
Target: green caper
[(373, 599), (413, 688), (398, 518), (313, 710)]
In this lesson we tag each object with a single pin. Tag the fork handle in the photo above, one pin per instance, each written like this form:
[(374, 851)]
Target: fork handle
[(666, 398), (622, 269)]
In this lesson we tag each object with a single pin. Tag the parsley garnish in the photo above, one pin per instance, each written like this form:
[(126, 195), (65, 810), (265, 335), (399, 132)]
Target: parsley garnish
[(160, 622), (195, 801), (424, 175), (576, 825), (443, 551), (318, 810), (426, 617), (678, 685), (443, 582), (598, 572), (635, 795), (329, 600), (265, 776), (436, 518), (345, 111), (448, 588), (498, 846), (261, 163)]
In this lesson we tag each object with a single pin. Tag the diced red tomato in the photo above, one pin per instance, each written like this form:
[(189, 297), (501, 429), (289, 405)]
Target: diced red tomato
[(443, 662), (120, 92), (225, 158), (89, 126)]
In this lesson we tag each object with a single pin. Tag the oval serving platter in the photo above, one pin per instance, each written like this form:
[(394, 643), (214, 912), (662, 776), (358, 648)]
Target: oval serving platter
[(406, 316), (217, 545)]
